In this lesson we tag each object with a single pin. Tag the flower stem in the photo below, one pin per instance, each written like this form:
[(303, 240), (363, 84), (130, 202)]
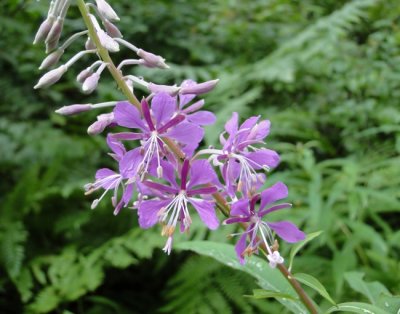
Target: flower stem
[(105, 56)]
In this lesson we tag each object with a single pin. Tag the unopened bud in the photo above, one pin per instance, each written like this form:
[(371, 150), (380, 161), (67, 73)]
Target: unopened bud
[(89, 44), (43, 30), (73, 109), (112, 30), (55, 32), (198, 89), (102, 122), (51, 77), (171, 90), (83, 75), (90, 83), (107, 42), (51, 59), (106, 10), (151, 60)]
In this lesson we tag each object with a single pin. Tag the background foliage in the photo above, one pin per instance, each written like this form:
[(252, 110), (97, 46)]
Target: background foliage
[(326, 73)]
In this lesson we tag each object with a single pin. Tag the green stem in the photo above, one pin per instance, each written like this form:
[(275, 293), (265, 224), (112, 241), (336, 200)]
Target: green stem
[(105, 56)]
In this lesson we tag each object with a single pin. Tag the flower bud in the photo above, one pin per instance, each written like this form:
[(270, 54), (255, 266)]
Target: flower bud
[(198, 89), (171, 90), (51, 59), (55, 32), (112, 30), (89, 44), (151, 60), (73, 109), (102, 122), (51, 77), (90, 83), (106, 10), (43, 30), (107, 42), (83, 75)]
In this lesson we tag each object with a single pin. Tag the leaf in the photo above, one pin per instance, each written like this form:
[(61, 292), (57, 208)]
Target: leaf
[(313, 283), (263, 294), (389, 303), (297, 247), (267, 277), (356, 307), (372, 290)]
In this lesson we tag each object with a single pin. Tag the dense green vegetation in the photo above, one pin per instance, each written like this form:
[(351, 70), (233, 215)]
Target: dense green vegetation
[(327, 75)]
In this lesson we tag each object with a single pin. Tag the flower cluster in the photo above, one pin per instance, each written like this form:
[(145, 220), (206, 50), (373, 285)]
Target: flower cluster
[(165, 177)]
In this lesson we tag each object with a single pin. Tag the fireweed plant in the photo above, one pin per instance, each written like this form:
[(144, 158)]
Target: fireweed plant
[(166, 178)]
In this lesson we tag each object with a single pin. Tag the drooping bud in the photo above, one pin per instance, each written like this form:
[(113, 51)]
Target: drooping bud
[(73, 109), (55, 32), (90, 83), (197, 89), (43, 30), (107, 42), (151, 60), (89, 44), (102, 122), (51, 59), (83, 75), (111, 29), (51, 77), (171, 90), (106, 10)]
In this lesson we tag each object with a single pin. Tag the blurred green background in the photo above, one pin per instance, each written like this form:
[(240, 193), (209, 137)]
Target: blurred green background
[(325, 72)]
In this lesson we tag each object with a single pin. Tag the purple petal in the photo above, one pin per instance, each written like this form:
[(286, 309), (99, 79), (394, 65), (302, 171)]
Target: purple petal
[(201, 172), (263, 129), (129, 163), (236, 220), (263, 157), (148, 212), (274, 208), (194, 107), (163, 107), (202, 118), (129, 136), (241, 246), (206, 190), (171, 123), (160, 187), (169, 173), (185, 99), (232, 125), (108, 178), (126, 197), (275, 193), (184, 173), (206, 212), (117, 147), (128, 116), (287, 231), (186, 133), (147, 115), (240, 208)]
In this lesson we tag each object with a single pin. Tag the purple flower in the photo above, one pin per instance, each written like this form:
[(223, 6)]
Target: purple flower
[(158, 123), (243, 211), (170, 204), (239, 159), (108, 179)]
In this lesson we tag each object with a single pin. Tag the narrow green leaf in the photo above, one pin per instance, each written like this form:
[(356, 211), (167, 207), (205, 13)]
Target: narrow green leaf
[(389, 303), (264, 294), (313, 283), (372, 290), (356, 307), (298, 246), (268, 278)]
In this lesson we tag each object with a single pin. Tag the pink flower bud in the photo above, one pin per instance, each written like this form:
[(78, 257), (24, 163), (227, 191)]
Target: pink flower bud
[(112, 30), (73, 109), (171, 90), (83, 75), (55, 32), (51, 59), (90, 83), (43, 30), (102, 122), (51, 77), (106, 10), (151, 60), (198, 89), (107, 42)]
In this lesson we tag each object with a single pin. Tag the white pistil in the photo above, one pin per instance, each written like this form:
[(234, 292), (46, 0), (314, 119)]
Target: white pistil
[(152, 147), (172, 212)]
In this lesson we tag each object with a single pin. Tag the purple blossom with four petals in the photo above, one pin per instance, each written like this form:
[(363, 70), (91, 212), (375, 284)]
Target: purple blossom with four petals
[(259, 231)]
